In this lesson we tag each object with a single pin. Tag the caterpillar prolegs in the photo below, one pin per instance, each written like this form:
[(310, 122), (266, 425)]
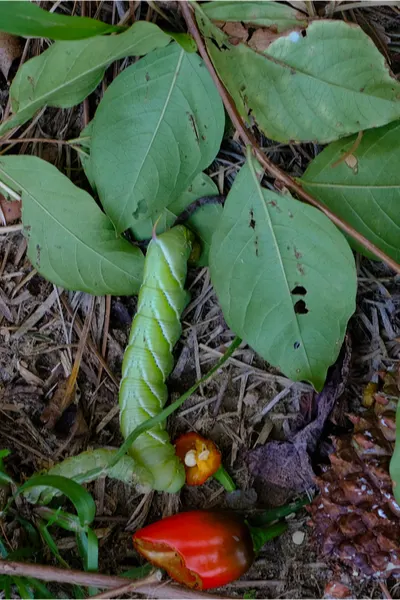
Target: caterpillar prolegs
[(148, 359)]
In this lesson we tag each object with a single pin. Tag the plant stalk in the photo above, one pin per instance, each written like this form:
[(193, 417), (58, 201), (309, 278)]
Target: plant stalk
[(146, 586)]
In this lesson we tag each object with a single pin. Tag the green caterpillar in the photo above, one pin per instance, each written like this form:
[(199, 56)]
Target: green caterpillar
[(78, 468), (148, 359)]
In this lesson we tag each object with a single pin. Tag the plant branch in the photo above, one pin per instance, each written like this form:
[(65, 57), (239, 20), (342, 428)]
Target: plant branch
[(249, 139), (145, 586)]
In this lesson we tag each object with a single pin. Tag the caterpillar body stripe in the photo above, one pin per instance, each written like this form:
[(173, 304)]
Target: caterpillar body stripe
[(148, 359)]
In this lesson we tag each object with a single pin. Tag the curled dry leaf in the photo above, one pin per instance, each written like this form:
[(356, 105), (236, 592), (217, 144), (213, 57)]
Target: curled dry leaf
[(288, 464), (10, 49)]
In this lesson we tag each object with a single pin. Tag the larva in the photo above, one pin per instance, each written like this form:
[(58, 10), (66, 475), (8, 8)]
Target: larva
[(148, 359), (78, 468)]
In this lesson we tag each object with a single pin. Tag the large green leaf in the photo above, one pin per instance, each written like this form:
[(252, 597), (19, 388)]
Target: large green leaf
[(201, 186), (278, 17), (69, 71), (70, 241), (159, 124), (328, 84), (27, 19), (284, 276), (364, 188)]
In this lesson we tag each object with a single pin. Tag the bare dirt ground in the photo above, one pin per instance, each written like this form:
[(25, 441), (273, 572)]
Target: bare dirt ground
[(248, 402)]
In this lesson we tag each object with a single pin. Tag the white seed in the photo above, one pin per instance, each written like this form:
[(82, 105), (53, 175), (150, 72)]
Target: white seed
[(204, 455), (190, 458)]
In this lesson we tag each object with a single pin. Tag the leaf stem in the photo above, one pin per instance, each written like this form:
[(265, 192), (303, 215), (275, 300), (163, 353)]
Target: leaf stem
[(262, 535), (223, 477), (249, 139)]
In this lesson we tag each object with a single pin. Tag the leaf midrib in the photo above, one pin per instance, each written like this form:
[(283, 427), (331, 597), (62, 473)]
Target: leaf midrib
[(277, 250), (73, 235), (153, 137)]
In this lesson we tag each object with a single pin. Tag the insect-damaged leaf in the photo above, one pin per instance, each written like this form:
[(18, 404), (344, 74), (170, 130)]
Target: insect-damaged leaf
[(159, 124), (284, 276), (321, 84), (69, 71), (70, 241), (361, 184)]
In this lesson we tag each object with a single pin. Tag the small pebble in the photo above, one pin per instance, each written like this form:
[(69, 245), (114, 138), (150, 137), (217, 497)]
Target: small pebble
[(298, 537)]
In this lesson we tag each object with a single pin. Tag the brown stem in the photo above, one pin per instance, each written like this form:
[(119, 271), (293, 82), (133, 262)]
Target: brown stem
[(88, 579), (131, 586), (249, 139)]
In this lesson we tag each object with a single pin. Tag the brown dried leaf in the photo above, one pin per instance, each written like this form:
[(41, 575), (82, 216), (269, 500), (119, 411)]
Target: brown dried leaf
[(288, 464), (11, 209), (236, 31), (63, 397), (10, 49), (263, 37)]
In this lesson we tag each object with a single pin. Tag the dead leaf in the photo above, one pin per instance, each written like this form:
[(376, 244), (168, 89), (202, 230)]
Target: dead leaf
[(10, 49), (288, 464), (263, 37), (236, 31), (11, 209), (62, 398)]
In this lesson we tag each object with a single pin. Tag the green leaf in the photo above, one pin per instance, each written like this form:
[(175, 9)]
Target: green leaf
[(28, 20), (395, 460), (284, 276), (138, 572), (24, 590), (67, 72), (184, 40), (321, 87), (62, 519), (279, 17), (363, 189), (70, 241), (38, 586), (204, 222), (159, 124), (88, 545), (201, 186), (80, 498), (49, 541)]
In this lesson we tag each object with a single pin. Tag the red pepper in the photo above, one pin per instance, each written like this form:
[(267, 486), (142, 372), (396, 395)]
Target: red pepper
[(200, 457), (201, 549)]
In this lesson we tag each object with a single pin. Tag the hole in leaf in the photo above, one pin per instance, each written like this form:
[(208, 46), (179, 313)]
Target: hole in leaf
[(296, 345), (300, 308), (299, 290), (303, 33)]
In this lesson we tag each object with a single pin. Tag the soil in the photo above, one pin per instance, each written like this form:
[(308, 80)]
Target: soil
[(39, 336)]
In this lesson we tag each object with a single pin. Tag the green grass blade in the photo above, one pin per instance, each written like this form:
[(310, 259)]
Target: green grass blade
[(80, 498)]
